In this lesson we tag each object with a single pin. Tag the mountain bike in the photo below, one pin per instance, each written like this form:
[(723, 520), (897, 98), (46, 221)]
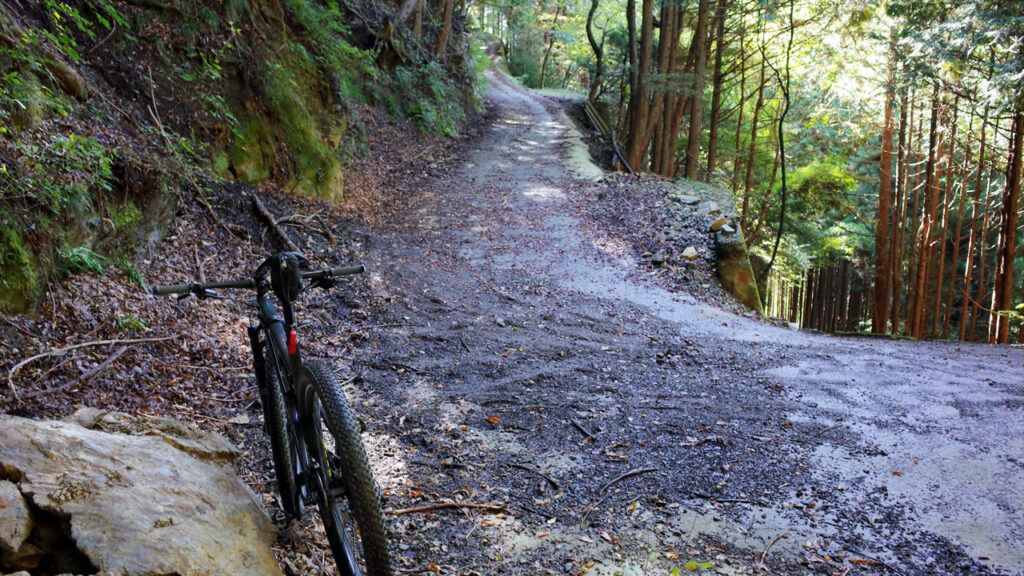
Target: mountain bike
[(299, 398)]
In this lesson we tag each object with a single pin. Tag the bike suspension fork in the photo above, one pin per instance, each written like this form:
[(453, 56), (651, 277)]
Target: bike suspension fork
[(259, 365)]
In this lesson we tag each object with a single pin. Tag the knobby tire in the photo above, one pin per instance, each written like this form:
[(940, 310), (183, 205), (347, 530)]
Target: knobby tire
[(322, 387), (275, 414)]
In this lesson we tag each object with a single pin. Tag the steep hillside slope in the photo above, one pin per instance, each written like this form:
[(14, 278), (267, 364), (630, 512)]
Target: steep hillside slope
[(111, 110)]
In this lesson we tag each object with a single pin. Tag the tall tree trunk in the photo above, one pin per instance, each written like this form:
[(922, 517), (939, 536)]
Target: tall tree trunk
[(938, 324), (716, 90), (925, 231), (899, 217), (982, 239), (639, 103), (782, 140), (1002, 294), (446, 28), (595, 81), (756, 227), (417, 22), (945, 200), (947, 317), (634, 76), (748, 182), (880, 318), (739, 119), (934, 201), (972, 243), (659, 125), (550, 37), (697, 99)]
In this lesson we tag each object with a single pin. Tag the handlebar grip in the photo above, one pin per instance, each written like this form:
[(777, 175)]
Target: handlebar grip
[(175, 289), (347, 270)]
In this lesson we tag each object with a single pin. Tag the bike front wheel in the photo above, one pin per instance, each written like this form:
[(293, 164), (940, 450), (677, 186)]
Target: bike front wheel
[(349, 491), (282, 439)]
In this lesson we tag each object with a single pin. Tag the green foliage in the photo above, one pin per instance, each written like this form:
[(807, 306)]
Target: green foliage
[(82, 259), (124, 215), (132, 272), (524, 63), (290, 97), (974, 41), (821, 187), (206, 77), (66, 19), (23, 97), (132, 323), (62, 174), (478, 55), (348, 69), (18, 283), (428, 96)]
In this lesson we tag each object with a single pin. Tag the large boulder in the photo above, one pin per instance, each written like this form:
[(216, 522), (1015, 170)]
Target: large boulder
[(15, 525), (124, 495)]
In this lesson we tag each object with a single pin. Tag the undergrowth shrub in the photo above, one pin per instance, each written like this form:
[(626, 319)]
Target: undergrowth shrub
[(82, 259), (62, 174), (348, 69), (18, 282), (426, 95)]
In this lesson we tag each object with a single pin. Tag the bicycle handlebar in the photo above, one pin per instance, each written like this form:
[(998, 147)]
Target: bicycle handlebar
[(251, 283)]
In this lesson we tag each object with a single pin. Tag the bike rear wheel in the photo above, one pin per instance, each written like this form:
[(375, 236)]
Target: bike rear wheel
[(350, 492)]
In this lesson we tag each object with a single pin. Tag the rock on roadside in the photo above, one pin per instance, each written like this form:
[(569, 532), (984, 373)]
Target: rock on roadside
[(132, 496)]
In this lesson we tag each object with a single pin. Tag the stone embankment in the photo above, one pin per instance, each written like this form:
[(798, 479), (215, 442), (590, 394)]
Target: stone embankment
[(685, 213)]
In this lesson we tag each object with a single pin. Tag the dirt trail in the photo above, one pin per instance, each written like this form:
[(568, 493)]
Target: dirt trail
[(515, 362)]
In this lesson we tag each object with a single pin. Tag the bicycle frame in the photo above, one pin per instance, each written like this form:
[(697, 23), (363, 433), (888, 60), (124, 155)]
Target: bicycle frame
[(281, 337)]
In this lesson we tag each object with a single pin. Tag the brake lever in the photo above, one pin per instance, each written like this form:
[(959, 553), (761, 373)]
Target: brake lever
[(324, 282), (203, 294)]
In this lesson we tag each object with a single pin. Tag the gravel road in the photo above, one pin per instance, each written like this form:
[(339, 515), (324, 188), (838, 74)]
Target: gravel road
[(626, 429)]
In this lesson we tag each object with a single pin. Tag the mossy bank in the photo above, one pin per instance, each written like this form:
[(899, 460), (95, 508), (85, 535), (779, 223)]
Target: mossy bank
[(110, 111)]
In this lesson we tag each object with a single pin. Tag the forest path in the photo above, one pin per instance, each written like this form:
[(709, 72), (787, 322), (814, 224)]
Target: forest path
[(519, 363)]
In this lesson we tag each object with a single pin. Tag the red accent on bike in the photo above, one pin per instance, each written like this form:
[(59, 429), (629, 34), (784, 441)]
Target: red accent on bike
[(293, 341)]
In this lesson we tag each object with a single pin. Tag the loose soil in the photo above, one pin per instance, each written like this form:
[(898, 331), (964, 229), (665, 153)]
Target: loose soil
[(532, 358), (510, 346)]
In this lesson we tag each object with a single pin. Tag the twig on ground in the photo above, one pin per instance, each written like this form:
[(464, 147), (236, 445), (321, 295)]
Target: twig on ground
[(104, 40), (448, 505), (12, 324), (550, 480), (368, 326), (422, 152), (629, 474), (582, 429), (832, 427), (760, 562), (703, 496), (604, 490), (92, 372), (61, 351), (874, 560), (540, 513), (407, 368), (272, 222)]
